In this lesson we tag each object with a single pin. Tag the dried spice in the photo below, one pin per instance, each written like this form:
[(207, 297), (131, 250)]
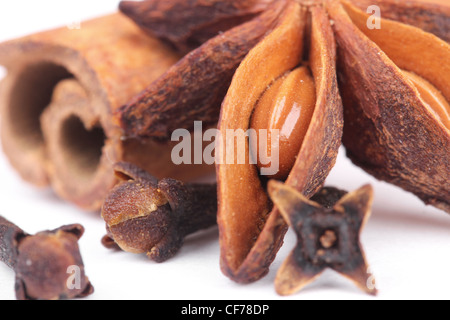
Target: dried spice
[(194, 88), (251, 234), (206, 19), (396, 108), (395, 86), (56, 103), (43, 262), (428, 15), (144, 215), (328, 230)]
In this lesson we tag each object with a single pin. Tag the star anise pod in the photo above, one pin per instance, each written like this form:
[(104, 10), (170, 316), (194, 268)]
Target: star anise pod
[(394, 86)]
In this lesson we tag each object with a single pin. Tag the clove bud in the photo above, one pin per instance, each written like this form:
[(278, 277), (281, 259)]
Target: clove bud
[(44, 263), (144, 215)]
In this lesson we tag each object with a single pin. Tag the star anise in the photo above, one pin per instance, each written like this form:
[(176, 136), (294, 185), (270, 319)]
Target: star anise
[(393, 80)]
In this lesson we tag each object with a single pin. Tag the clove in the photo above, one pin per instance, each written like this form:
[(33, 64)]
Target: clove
[(48, 265), (144, 215)]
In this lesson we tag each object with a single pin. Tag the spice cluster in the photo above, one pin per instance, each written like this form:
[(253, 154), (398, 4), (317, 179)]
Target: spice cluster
[(97, 128)]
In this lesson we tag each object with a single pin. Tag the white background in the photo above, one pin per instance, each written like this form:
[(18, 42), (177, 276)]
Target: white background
[(406, 243)]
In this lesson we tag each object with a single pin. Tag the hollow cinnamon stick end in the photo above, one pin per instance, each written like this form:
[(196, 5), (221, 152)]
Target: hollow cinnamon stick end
[(24, 94)]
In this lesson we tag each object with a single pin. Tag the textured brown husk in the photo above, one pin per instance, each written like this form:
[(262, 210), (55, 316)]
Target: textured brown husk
[(196, 21), (429, 15), (388, 130), (251, 232), (104, 64), (194, 88)]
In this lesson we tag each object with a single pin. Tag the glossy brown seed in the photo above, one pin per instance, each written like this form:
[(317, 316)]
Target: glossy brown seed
[(287, 106)]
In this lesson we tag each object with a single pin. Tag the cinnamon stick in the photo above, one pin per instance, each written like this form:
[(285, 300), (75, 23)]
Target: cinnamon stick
[(57, 102)]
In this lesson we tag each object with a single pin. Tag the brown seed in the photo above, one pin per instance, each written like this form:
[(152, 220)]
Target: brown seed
[(287, 106)]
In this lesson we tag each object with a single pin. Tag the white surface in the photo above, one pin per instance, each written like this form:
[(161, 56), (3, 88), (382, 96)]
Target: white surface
[(406, 243)]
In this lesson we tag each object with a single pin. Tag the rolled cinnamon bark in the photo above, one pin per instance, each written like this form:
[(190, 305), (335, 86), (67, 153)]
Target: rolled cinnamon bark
[(57, 104)]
